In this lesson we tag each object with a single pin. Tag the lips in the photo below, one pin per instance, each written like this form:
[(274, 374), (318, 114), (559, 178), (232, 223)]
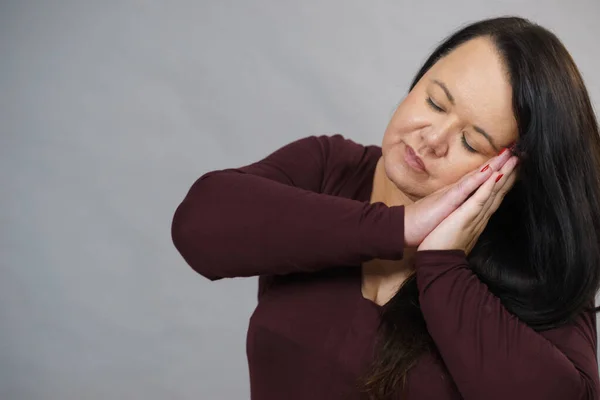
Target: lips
[(413, 160)]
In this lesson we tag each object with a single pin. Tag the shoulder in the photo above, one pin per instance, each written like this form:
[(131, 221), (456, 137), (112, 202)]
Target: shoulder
[(327, 150), (339, 146), (341, 161), (577, 334), (345, 158), (332, 146), (350, 160)]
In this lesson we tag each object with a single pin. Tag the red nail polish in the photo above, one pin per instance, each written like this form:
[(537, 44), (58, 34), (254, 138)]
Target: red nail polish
[(499, 177), (485, 168), (503, 150)]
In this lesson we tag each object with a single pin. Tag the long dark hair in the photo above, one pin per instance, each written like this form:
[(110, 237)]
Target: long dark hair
[(540, 252)]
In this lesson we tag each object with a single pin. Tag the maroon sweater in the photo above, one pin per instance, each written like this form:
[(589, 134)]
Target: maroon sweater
[(301, 220)]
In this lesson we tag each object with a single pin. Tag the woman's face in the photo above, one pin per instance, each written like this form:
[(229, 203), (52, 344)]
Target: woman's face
[(456, 117)]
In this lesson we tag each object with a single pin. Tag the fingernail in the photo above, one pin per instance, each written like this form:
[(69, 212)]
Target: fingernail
[(503, 150), (499, 177), (485, 168)]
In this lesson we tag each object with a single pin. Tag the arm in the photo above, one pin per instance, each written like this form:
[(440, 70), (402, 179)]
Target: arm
[(488, 351), (280, 215)]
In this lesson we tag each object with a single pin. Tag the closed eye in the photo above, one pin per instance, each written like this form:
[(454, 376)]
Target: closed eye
[(434, 106), (466, 145)]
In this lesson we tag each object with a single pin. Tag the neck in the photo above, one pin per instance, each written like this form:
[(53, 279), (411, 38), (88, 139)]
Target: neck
[(382, 278), (385, 191)]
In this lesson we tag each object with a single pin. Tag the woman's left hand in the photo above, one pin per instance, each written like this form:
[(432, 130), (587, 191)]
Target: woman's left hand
[(461, 229)]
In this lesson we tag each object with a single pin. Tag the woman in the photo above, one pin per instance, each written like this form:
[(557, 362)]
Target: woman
[(439, 266)]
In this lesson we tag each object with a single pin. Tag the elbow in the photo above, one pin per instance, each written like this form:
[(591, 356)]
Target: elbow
[(575, 387), (189, 234), (585, 387), (557, 383), (569, 384)]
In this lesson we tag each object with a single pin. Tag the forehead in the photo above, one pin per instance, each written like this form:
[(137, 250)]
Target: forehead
[(477, 79)]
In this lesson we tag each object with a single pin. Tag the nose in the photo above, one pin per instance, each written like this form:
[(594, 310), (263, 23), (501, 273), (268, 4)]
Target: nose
[(437, 137)]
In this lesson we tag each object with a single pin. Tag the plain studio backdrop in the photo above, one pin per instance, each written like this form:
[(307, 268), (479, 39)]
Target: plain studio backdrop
[(110, 110)]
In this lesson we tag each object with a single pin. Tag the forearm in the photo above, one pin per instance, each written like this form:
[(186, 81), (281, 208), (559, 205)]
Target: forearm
[(235, 224), (489, 352)]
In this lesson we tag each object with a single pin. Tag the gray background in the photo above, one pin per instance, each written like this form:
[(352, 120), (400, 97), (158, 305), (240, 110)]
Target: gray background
[(108, 113)]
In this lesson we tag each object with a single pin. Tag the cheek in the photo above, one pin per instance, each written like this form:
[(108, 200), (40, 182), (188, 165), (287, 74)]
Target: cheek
[(454, 171), (409, 116)]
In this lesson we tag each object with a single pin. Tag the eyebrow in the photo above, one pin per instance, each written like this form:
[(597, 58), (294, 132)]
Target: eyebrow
[(452, 101), (445, 89)]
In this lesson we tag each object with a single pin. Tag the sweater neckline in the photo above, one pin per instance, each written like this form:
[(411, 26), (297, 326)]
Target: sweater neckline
[(365, 196)]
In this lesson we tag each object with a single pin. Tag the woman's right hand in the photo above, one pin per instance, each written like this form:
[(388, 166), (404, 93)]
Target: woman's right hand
[(424, 215)]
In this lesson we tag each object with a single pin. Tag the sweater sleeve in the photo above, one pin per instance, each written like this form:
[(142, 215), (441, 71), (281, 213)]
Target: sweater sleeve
[(489, 352), (280, 215)]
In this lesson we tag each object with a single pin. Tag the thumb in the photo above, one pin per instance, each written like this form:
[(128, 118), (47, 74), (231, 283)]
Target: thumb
[(424, 215), (456, 195)]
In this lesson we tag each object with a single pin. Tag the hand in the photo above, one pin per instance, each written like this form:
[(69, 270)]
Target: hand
[(461, 229), (424, 215)]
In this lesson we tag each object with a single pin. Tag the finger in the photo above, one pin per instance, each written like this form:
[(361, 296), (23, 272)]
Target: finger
[(473, 207), (503, 175), (496, 178), (498, 162), (497, 200), (501, 188), (461, 190), (465, 187), (481, 221), (507, 170), (503, 182), (505, 179), (485, 216)]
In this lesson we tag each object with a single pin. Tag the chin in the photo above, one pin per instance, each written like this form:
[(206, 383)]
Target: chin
[(399, 174), (405, 179)]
